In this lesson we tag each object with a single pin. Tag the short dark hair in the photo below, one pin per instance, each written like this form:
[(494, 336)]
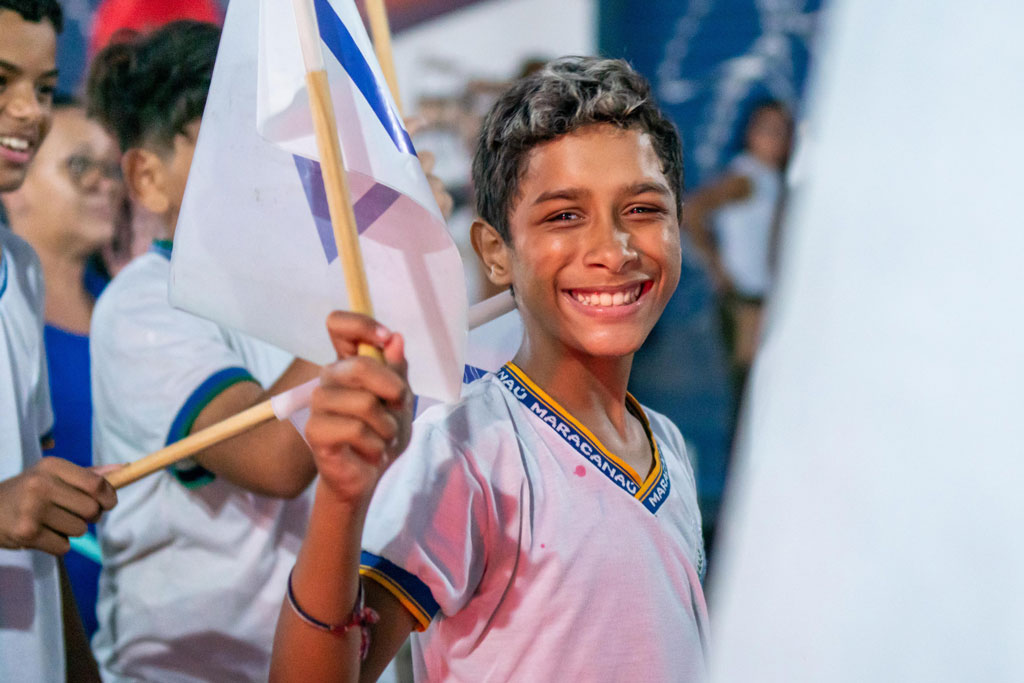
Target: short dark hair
[(563, 96), (147, 88), (37, 10), (759, 107)]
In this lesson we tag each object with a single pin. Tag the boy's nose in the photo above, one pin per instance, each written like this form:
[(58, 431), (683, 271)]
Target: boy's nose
[(611, 245), (24, 104)]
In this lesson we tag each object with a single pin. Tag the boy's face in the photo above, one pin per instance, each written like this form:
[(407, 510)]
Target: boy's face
[(594, 254), (28, 78), (768, 136)]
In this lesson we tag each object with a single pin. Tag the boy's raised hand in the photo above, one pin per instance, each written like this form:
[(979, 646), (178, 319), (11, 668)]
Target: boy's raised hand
[(52, 500), (361, 414)]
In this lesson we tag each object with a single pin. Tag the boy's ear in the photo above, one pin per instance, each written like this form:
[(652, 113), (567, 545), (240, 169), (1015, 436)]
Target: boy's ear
[(492, 250), (145, 176)]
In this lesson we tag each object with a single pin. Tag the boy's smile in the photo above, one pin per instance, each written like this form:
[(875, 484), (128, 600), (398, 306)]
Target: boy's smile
[(28, 78), (594, 254)]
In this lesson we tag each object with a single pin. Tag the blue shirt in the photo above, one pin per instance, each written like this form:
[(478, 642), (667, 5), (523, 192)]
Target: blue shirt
[(67, 354)]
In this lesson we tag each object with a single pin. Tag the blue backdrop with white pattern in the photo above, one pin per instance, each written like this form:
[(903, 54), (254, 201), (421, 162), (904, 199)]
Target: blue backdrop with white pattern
[(708, 61)]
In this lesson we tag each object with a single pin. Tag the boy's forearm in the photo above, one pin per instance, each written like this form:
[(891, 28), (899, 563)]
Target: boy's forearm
[(325, 583), (272, 459)]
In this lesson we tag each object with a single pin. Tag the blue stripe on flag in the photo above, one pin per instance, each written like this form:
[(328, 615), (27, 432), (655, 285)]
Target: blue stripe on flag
[(368, 209), (471, 374), (339, 41)]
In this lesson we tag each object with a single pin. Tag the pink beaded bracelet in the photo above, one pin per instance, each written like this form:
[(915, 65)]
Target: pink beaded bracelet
[(362, 616)]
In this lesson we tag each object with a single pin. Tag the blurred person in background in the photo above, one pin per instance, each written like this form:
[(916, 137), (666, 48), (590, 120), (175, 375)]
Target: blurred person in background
[(66, 210), (448, 125), (733, 223)]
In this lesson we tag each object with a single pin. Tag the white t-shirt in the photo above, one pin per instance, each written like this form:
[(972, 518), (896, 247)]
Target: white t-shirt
[(31, 628), (528, 552), (194, 568), (744, 228)]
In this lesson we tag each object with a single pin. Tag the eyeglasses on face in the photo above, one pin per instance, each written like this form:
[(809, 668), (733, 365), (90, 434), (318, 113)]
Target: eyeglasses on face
[(85, 171)]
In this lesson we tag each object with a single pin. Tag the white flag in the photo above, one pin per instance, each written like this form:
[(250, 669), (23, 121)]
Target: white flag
[(875, 528), (254, 249)]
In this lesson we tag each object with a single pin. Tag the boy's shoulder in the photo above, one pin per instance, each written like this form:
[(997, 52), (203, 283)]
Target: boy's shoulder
[(16, 246), (141, 283), (481, 412), (19, 268), (135, 306)]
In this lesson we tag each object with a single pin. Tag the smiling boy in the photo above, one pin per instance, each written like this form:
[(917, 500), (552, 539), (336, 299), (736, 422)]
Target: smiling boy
[(42, 500), (545, 527)]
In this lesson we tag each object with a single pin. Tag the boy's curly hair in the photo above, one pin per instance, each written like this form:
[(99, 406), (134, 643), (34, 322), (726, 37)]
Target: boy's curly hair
[(563, 96)]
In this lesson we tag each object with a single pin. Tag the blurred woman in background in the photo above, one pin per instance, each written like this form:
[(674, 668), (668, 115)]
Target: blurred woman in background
[(733, 222), (67, 209)]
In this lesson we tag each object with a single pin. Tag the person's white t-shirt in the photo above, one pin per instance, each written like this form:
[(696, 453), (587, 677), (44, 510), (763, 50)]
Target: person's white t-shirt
[(528, 552), (194, 568), (744, 228), (31, 627)]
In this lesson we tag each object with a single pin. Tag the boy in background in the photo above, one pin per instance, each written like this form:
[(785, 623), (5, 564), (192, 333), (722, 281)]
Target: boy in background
[(42, 500), (545, 527), (194, 561)]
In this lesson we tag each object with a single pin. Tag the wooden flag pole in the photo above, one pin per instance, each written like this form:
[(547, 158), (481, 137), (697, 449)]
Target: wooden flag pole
[(381, 32), (192, 444), (339, 202), (480, 314)]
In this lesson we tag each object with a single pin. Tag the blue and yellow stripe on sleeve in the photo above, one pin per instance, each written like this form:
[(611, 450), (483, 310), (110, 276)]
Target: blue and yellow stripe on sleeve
[(414, 595)]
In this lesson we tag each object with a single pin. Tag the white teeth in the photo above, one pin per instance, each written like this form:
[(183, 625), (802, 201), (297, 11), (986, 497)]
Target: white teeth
[(18, 144), (607, 299)]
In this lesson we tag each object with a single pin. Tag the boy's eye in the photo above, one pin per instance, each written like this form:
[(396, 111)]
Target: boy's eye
[(563, 216), (45, 92), (646, 210)]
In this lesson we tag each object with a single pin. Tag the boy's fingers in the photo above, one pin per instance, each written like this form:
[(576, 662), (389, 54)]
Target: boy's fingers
[(50, 542), (394, 355), (75, 501), (343, 432), (348, 330), (63, 522), (360, 404), (364, 373), (85, 480)]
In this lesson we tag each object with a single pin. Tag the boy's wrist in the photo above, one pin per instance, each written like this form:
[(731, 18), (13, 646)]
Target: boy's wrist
[(352, 505)]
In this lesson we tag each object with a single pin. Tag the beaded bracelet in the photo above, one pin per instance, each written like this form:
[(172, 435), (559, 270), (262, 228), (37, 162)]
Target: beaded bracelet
[(361, 616)]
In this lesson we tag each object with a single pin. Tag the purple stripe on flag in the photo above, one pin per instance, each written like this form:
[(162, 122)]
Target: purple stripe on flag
[(368, 209), (373, 204)]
